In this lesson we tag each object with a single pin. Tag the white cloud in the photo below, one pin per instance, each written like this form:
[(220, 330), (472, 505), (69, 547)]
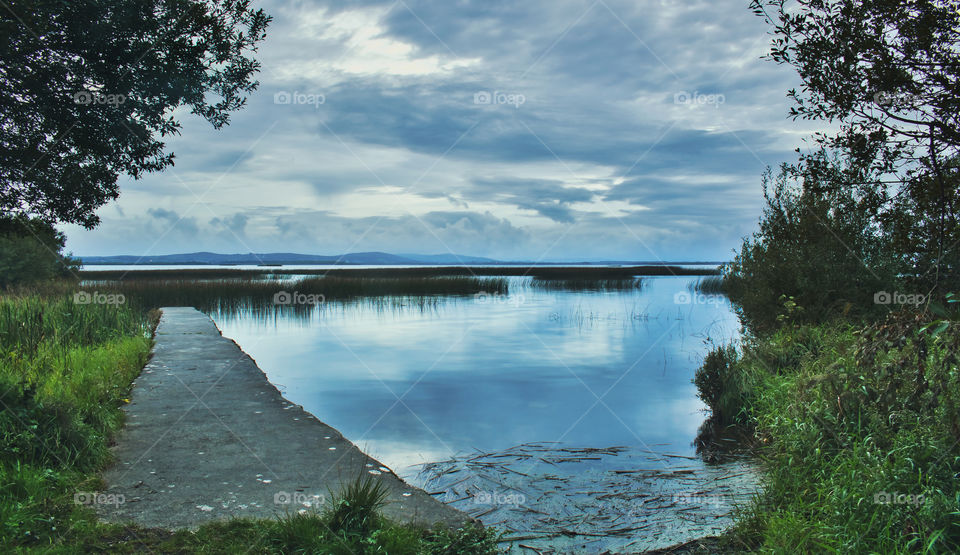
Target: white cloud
[(599, 162)]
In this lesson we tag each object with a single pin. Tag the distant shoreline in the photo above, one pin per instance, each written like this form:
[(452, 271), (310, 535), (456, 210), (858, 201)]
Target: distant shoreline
[(606, 272)]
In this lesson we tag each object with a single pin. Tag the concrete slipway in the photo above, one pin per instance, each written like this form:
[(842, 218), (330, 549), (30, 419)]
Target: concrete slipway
[(207, 437)]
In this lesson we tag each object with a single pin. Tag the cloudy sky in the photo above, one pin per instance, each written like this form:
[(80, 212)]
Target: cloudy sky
[(535, 130)]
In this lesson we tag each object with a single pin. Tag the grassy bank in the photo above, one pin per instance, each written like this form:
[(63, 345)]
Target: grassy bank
[(859, 431), (65, 372)]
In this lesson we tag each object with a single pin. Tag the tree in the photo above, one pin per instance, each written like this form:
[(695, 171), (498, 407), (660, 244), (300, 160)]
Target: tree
[(817, 255), (888, 71), (914, 228), (88, 90), (31, 250)]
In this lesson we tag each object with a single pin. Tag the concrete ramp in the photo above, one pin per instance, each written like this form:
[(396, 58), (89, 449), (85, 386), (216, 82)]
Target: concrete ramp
[(207, 437)]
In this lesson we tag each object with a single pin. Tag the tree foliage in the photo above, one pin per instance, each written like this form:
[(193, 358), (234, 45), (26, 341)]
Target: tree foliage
[(31, 250), (888, 72), (89, 88), (818, 253)]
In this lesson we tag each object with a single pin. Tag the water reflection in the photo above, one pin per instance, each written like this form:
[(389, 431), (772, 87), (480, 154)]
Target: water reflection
[(457, 379), (412, 383)]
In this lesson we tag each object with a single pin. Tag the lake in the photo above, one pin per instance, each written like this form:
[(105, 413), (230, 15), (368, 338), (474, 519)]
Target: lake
[(537, 396)]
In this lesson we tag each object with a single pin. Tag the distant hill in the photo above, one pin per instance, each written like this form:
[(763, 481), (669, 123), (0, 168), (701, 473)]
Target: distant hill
[(379, 258), (285, 258), (450, 259)]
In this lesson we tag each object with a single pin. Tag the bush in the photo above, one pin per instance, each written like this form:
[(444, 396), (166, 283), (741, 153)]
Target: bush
[(719, 386), (817, 246), (30, 251)]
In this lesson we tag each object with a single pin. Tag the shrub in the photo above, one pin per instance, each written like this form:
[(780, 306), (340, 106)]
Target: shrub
[(717, 384), (817, 246), (30, 251)]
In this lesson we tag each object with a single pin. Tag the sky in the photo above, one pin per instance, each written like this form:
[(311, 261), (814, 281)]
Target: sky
[(540, 130)]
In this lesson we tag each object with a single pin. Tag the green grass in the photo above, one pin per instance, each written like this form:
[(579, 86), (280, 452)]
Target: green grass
[(846, 417), (65, 372), (354, 510)]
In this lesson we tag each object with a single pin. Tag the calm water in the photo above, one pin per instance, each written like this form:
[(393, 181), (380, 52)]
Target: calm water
[(412, 385)]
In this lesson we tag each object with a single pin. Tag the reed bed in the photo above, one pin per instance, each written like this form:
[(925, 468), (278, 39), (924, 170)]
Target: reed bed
[(712, 285), (587, 284), (27, 322), (296, 297)]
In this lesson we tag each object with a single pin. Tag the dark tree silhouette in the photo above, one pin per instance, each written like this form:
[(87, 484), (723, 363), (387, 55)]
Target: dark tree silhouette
[(888, 71), (88, 90)]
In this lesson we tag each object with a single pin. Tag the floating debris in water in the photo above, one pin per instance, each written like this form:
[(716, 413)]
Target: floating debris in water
[(555, 497)]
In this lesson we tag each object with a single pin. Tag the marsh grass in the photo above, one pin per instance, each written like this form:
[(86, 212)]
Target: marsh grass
[(587, 284), (29, 321), (65, 370), (231, 296), (712, 285)]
